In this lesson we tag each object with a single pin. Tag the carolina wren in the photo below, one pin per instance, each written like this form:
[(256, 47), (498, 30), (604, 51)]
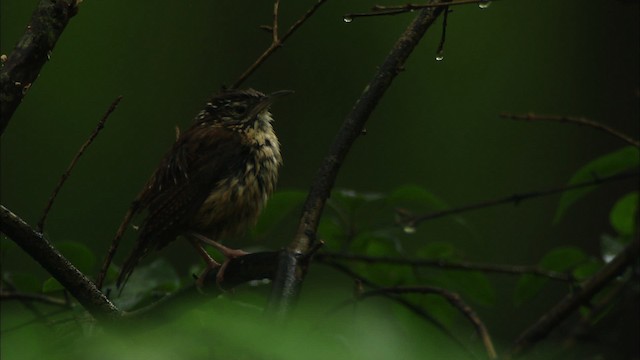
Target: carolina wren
[(213, 182)]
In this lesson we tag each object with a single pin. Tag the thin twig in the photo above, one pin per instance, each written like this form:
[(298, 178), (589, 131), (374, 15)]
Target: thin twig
[(73, 163), (573, 120), (419, 311), (454, 299), (276, 41), (551, 319), (440, 51), (414, 220), (381, 10), (20, 296), (443, 264)]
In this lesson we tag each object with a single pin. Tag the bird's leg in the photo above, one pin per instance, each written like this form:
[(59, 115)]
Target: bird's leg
[(211, 263), (228, 254)]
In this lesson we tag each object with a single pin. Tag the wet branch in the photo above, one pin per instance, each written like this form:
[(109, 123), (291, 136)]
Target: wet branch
[(550, 320), (449, 265), (288, 281), (37, 246), (574, 120), (23, 65), (413, 220), (277, 41)]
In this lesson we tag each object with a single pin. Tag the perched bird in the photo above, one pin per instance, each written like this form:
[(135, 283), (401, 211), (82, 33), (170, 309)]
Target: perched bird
[(213, 182)]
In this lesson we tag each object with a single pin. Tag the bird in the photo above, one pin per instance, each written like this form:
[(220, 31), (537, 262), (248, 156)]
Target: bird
[(212, 183)]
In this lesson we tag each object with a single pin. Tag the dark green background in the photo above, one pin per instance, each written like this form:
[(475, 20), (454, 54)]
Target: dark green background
[(437, 126)]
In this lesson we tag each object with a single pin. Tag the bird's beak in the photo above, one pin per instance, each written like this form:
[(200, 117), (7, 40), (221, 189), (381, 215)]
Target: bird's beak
[(278, 94), (269, 99)]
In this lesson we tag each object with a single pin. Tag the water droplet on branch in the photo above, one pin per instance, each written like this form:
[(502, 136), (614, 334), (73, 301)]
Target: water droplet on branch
[(484, 4), (347, 19)]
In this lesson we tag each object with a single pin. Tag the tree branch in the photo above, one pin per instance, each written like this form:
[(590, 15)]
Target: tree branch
[(34, 244), (23, 65), (277, 41), (541, 329), (413, 220), (73, 163), (284, 290), (574, 120), (20, 296), (444, 264), (454, 299)]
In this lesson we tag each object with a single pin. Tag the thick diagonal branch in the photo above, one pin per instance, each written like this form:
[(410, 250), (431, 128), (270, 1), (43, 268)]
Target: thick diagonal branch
[(288, 281), (34, 244), (33, 50)]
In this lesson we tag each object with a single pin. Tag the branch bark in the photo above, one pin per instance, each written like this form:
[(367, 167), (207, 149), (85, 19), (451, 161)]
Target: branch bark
[(573, 301), (33, 50), (34, 244), (289, 278)]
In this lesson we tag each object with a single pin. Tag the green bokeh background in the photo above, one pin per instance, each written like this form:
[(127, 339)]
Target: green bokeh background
[(437, 126)]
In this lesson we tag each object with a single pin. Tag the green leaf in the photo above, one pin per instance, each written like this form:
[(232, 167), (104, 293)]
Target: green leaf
[(563, 258), (51, 284), (437, 250), (279, 206), (147, 283), (78, 254), (624, 214), (24, 282), (607, 165), (330, 231), (472, 285), (559, 259), (416, 198), (587, 269)]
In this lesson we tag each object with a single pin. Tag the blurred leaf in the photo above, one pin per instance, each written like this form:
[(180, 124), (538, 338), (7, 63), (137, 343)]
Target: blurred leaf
[(51, 284), (624, 214), (587, 269), (559, 259), (147, 283), (527, 287), (472, 286), (607, 165), (563, 258), (24, 282), (78, 254), (437, 250), (415, 198), (351, 199), (279, 206), (330, 231)]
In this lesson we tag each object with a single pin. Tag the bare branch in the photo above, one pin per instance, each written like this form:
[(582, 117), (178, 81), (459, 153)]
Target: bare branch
[(450, 265), (73, 163), (288, 282), (23, 65), (413, 220), (574, 120), (541, 328), (35, 244), (453, 298), (381, 10), (276, 41), (20, 296)]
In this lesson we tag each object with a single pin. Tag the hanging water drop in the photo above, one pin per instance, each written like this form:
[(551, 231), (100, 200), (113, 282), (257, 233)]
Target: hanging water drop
[(483, 4), (439, 56), (347, 19)]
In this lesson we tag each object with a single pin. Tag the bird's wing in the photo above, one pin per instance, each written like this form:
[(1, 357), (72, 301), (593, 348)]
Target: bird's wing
[(197, 161)]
